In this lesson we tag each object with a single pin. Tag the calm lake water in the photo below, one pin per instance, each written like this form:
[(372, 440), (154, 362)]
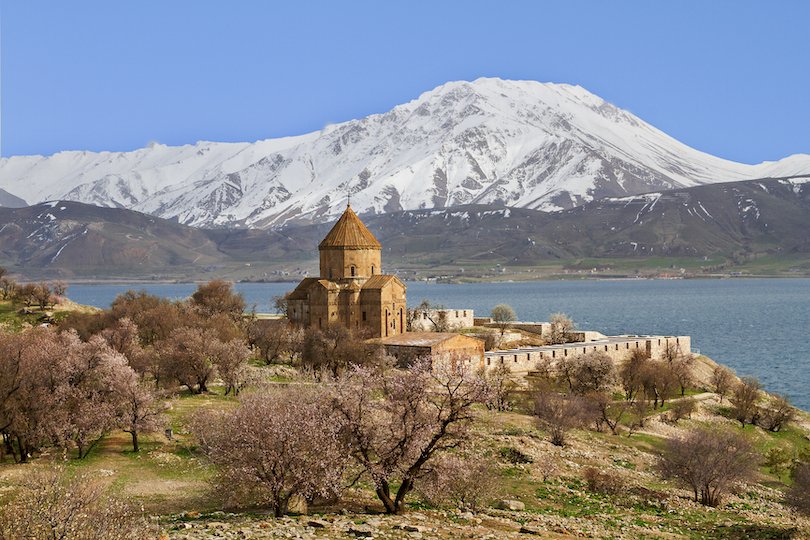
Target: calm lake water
[(758, 327)]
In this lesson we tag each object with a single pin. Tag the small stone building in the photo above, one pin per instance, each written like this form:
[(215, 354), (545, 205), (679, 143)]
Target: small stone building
[(439, 345), (450, 319), (351, 290)]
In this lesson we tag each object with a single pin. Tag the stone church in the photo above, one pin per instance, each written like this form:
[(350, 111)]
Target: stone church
[(351, 291)]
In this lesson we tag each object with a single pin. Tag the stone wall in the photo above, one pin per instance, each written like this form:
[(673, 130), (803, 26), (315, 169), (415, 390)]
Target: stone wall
[(524, 360)]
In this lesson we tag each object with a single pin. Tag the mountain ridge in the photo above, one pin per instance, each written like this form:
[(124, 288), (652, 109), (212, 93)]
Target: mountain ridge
[(515, 143)]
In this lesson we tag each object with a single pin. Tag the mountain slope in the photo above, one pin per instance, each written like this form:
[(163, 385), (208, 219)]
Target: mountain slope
[(513, 143), (741, 220), (68, 238), (734, 222)]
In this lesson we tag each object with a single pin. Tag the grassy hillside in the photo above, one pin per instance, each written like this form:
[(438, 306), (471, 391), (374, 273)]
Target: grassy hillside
[(168, 478)]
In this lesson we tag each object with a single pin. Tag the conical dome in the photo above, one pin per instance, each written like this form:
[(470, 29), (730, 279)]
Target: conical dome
[(349, 233)]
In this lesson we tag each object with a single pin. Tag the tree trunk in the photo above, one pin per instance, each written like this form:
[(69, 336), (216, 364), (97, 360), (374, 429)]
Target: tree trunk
[(135, 447), (384, 494), (23, 451), (404, 489)]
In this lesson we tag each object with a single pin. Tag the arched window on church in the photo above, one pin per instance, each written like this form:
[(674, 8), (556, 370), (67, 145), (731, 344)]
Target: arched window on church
[(372, 269), (352, 270)]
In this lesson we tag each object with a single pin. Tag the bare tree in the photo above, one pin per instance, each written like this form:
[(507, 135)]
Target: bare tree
[(281, 304), (397, 422), (659, 382), (7, 287), (276, 444), (42, 295), (710, 462), (683, 370), (631, 373), (332, 351), (638, 414), (723, 380), (25, 294), (559, 414), (503, 316), (275, 339), (777, 414), (561, 328), (501, 385), (186, 356), (138, 411), (59, 288), (52, 505), (744, 400), (155, 317), (609, 412), (87, 396), (231, 359), (590, 372)]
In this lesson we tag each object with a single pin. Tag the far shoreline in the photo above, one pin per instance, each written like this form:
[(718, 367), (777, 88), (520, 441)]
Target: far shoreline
[(431, 281)]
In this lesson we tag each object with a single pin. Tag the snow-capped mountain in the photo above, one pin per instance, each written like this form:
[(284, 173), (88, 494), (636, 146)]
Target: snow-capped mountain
[(517, 143)]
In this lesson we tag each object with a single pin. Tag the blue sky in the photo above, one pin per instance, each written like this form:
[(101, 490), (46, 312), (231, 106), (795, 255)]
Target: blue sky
[(728, 77)]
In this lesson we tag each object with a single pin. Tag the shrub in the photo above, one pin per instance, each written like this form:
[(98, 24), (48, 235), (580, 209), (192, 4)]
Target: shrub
[(680, 409), (709, 462), (605, 482), (777, 459), (514, 456), (461, 481), (50, 505)]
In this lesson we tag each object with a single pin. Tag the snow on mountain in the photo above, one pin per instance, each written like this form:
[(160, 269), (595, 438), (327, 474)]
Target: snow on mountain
[(517, 143)]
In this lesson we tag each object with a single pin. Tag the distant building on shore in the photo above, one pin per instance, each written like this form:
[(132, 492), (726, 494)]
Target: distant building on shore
[(351, 290)]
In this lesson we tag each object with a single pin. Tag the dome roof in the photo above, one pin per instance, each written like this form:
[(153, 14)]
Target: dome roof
[(349, 232)]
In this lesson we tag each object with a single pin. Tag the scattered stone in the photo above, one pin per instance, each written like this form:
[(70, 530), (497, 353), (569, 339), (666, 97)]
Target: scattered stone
[(511, 504), (317, 524), (361, 532), (529, 529)]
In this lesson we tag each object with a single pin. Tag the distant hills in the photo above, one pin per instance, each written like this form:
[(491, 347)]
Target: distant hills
[(703, 228), (494, 142)]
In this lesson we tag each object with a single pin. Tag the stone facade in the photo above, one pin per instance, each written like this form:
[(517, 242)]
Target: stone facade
[(351, 290), (450, 319)]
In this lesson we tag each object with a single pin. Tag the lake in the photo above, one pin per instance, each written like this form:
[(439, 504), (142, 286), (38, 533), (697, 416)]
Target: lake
[(758, 327)]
